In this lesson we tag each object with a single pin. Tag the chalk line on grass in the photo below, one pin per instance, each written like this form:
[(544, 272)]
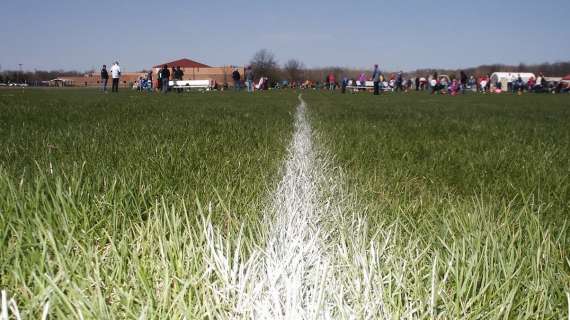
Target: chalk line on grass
[(285, 278), (295, 266), (317, 262)]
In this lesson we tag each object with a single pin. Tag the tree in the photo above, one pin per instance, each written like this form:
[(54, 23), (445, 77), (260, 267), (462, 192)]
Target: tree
[(264, 64), (294, 70)]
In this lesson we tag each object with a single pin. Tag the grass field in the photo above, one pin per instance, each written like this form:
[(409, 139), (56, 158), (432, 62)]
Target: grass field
[(101, 194), (472, 193), (229, 206)]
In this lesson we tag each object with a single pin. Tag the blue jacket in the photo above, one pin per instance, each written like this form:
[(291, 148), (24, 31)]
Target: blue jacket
[(376, 75)]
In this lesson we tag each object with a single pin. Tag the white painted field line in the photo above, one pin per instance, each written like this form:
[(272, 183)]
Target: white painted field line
[(318, 262), (295, 267), (284, 279)]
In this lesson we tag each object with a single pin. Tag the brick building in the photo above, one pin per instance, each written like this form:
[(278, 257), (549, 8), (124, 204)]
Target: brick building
[(94, 79), (198, 71), (192, 71)]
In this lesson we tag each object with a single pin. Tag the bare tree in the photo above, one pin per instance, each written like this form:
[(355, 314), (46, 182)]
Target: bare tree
[(264, 64), (294, 70)]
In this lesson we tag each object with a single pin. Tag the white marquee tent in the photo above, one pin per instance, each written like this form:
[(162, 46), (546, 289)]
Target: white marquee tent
[(505, 77)]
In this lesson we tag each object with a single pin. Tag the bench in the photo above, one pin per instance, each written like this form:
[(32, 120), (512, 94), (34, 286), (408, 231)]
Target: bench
[(368, 85), (190, 84)]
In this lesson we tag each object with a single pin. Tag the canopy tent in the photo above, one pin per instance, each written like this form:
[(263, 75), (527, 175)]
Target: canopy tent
[(552, 79), (505, 77), (439, 77)]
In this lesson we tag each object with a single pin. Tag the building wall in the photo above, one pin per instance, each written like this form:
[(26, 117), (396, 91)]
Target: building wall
[(94, 79), (220, 75)]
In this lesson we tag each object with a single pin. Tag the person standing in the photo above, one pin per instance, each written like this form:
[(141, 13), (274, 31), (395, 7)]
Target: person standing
[(178, 76), (164, 78), (463, 81), (249, 79), (331, 80), (159, 80), (104, 78), (399, 82), (511, 83), (417, 83), (376, 80), (434, 83), (236, 77), (116, 75), (149, 81), (344, 84), (174, 74)]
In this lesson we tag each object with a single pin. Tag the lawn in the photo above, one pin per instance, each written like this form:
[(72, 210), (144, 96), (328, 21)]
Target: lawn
[(103, 196), (473, 193), (424, 206)]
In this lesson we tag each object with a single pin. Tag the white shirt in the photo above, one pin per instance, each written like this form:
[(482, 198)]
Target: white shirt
[(115, 71)]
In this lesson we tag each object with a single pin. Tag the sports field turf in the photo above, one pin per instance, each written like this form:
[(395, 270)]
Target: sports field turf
[(475, 190), (157, 206)]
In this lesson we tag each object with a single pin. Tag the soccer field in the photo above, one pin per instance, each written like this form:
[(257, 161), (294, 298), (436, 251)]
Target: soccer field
[(225, 205)]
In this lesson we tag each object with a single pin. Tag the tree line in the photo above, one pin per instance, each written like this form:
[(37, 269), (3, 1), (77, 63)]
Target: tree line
[(293, 70), (15, 76), (265, 64)]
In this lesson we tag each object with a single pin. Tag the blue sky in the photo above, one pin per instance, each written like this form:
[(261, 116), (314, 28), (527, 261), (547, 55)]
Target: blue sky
[(81, 34)]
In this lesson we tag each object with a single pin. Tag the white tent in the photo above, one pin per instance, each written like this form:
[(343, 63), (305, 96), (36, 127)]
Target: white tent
[(553, 79), (505, 77)]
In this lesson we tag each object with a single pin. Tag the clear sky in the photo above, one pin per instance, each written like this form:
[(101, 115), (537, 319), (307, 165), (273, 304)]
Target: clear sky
[(397, 34)]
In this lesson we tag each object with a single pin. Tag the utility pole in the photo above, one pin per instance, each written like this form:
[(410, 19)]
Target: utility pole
[(19, 73)]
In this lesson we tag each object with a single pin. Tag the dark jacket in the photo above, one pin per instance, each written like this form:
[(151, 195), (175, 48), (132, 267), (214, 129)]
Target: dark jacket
[(236, 76), (463, 78), (104, 74), (177, 74), (165, 74)]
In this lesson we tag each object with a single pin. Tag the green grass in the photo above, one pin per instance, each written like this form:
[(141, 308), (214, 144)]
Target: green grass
[(435, 206), (102, 194), (470, 195)]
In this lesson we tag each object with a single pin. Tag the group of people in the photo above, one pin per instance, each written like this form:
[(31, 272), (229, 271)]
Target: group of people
[(143, 83), (517, 84), (115, 76), (163, 77), (397, 82), (435, 83), (248, 79)]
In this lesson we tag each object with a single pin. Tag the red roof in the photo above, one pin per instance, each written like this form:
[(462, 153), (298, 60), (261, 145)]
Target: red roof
[(183, 63)]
